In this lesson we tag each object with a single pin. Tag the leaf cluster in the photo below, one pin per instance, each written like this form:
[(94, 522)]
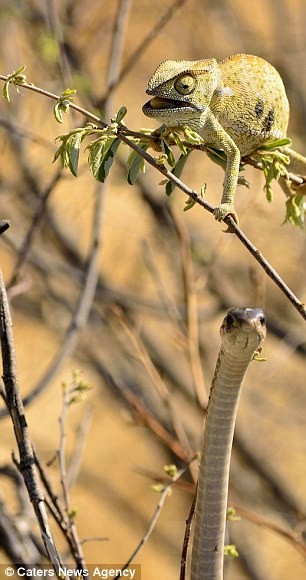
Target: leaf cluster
[(63, 104), (16, 78), (103, 149), (76, 391), (274, 162)]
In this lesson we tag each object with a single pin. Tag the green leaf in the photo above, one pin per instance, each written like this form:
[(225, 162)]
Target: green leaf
[(135, 164), (73, 148), (177, 171), (168, 152), (58, 114), (217, 156), (192, 136), (295, 212), (5, 91), (231, 551), (67, 93), (63, 154), (277, 143), (63, 104), (109, 158), (179, 142), (189, 204), (96, 152), (101, 157), (121, 114)]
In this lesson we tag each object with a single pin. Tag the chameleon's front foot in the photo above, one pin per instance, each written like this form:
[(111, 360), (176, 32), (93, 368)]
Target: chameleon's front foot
[(223, 210)]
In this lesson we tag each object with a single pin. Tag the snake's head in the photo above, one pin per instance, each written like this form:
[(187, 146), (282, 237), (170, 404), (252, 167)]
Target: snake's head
[(244, 327)]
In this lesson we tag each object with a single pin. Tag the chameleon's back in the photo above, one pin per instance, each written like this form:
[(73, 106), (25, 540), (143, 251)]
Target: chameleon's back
[(256, 109)]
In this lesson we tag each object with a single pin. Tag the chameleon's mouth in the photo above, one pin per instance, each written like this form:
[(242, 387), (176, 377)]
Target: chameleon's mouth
[(160, 103)]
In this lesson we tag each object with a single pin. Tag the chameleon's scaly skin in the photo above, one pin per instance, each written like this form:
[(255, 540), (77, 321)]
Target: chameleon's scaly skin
[(236, 105)]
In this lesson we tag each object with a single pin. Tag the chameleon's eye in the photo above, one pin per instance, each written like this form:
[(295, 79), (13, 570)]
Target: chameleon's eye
[(185, 84)]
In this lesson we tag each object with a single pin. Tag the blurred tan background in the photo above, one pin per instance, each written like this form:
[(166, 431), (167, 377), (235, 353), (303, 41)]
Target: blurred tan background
[(141, 264)]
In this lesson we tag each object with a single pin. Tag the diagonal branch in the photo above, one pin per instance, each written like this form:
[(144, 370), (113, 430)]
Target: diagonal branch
[(233, 227)]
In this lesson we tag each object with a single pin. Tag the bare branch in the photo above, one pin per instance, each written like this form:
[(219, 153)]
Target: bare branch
[(163, 496), (157, 381), (15, 406), (30, 236), (187, 537), (192, 311), (155, 30), (117, 47)]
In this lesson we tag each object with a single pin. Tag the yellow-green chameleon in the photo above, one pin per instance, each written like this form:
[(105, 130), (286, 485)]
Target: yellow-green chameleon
[(236, 105)]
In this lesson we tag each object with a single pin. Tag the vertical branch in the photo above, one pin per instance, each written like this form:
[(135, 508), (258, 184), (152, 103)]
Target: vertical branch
[(69, 517), (117, 48), (187, 538), (160, 24), (15, 406), (192, 311), (87, 294)]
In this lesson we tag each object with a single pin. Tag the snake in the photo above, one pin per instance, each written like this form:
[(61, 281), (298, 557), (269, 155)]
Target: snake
[(242, 333)]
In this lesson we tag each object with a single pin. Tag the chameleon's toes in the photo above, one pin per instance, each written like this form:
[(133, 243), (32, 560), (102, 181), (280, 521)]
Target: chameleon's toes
[(224, 210)]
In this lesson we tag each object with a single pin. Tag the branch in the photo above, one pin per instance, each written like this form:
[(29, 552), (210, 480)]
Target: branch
[(191, 310), (156, 29), (158, 383), (73, 534), (163, 496), (32, 231), (232, 226), (292, 537), (15, 406)]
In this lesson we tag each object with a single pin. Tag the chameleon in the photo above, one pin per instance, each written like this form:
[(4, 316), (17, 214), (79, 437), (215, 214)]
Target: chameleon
[(236, 105)]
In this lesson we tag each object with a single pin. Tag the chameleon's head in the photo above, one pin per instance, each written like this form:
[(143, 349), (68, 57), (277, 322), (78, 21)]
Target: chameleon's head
[(182, 91)]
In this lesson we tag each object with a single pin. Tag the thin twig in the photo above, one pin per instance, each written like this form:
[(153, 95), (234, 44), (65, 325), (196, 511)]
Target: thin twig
[(263, 522), (163, 496), (118, 37), (191, 310), (165, 299), (158, 383), (30, 236), (142, 412), (233, 227), (155, 30), (187, 537), (292, 536), (77, 454), (26, 463), (77, 548), (60, 517)]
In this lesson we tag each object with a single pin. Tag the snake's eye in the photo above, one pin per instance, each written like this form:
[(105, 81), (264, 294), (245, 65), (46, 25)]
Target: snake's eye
[(262, 319), (229, 320), (185, 84)]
